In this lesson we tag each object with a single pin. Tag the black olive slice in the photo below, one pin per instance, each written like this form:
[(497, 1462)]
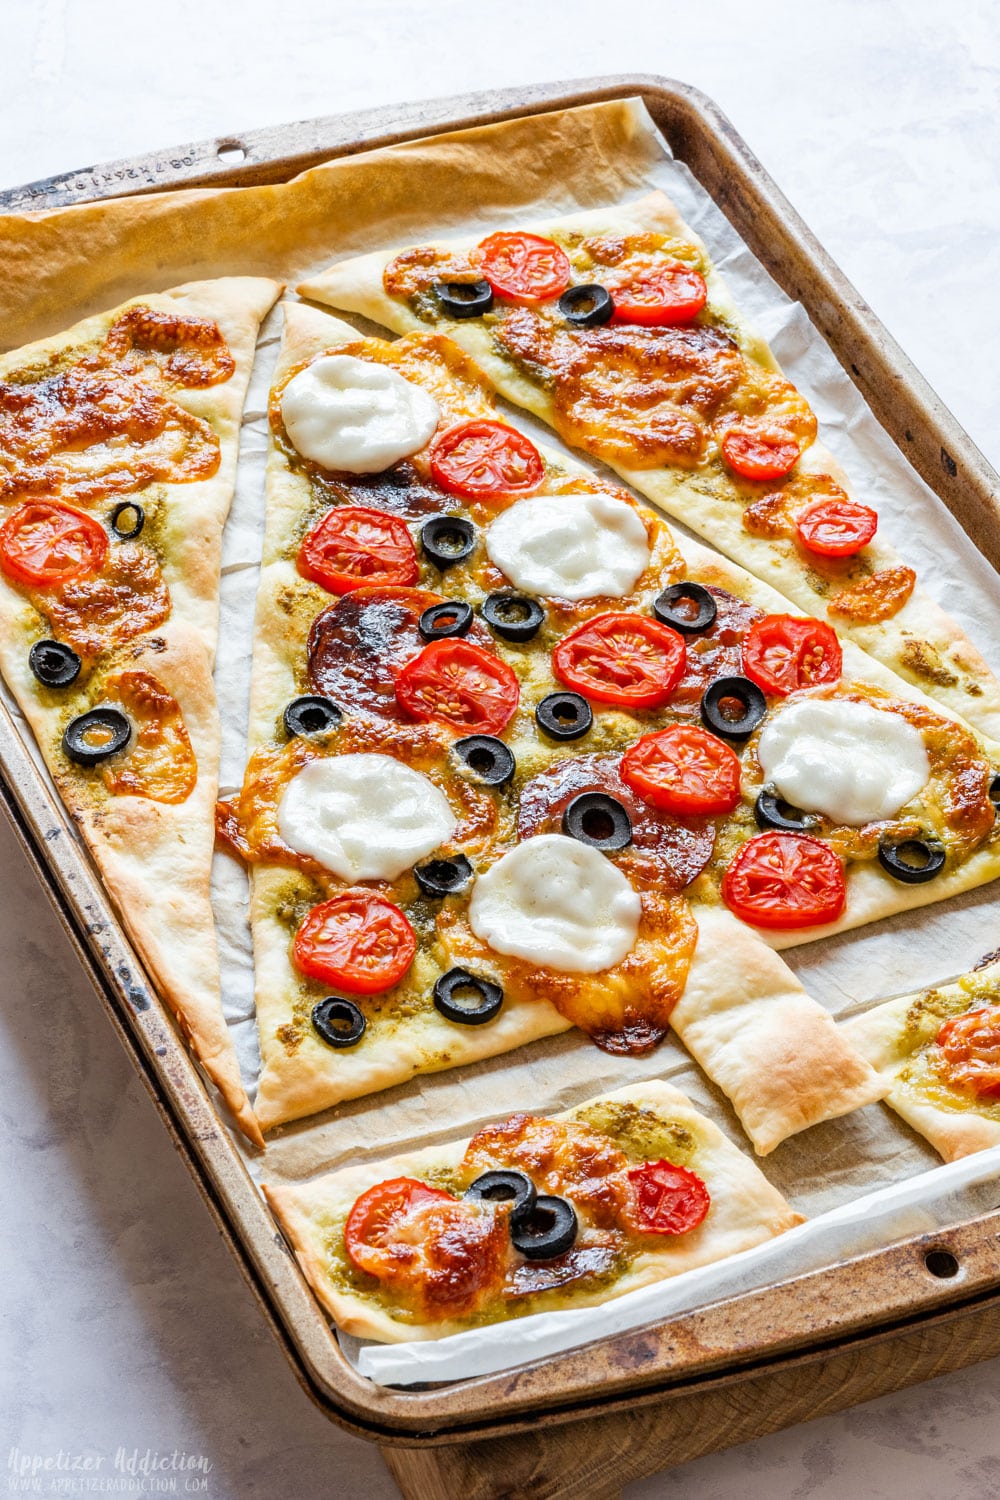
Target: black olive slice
[(94, 736), (512, 616), (338, 1022), (733, 707), (453, 617), (994, 792), (127, 520), (564, 716), (505, 1186), (447, 540), (489, 759), (686, 607), (443, 877), (586, 306), (911, 861), (311, 715), (772, 811), (548, 1231), (54, 663), (467, 998), (464, 299), (596, 819)]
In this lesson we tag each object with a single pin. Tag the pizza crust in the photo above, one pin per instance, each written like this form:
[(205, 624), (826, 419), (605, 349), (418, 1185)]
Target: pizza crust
[(745, 1211)]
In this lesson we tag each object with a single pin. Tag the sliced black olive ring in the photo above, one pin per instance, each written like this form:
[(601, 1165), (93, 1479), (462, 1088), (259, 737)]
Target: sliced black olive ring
[(310, 716), (687, 607), (512, 616), (772, 811), (994, 792), (127, 520), (596, 819), (489, 759), (453, 617), (733, 707), (54, 663), (464, 299), (548, 1231), (564, 716), (447, 540), (94, 736), (505, 1187), (911, 861), (444, 877), (338, 1022), (467, 998), (587, 306)]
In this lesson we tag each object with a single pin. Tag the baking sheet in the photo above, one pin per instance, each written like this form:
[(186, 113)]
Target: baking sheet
[(63, 265)]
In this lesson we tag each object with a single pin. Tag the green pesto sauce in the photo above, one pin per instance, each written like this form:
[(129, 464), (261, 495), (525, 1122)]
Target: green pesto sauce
[(640, 1133)]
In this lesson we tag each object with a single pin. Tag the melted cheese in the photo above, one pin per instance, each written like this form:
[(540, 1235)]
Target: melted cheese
[(572, 546), (854, 763), (557, 902), (365, 817), (346, 413)]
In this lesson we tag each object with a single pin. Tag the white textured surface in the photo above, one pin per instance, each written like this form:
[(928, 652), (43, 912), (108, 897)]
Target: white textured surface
[(123, 1322)]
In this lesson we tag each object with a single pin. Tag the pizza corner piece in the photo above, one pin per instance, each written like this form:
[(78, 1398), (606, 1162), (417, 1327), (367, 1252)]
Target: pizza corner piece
[(939, 1053), (118, 450), (614, 327), (531, 1215)]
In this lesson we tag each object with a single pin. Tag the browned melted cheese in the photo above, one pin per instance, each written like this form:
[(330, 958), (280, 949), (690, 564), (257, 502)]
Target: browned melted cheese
[(876, 598), (127, 598), (564, 1157), (159, 764), (775, 513), (181, 350)]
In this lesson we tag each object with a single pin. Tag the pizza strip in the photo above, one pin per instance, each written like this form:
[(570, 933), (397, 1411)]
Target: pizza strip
[(118, 450), (532, 1215), (684, 399), (939, 1053)]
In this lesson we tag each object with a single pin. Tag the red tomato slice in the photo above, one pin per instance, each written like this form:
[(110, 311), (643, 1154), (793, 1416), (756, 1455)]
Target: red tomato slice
[(47, 543), (754, 453), (524, 267), (836, 528), (628, 660), (358, 942), (458, 683), (666, 1199), (354, 547), (659, 296), (683, 770), (484, 460), (785, 880), (783, 653), (970, 1045), (378, 1214)]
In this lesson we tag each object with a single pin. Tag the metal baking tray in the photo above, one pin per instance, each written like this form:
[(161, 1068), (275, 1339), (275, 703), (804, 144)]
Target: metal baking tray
[(714, 1376)]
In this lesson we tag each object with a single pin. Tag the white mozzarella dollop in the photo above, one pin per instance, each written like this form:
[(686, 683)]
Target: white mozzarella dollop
[(572, 546), (345, 413), (556, 902), (854, 763), (365, 817)]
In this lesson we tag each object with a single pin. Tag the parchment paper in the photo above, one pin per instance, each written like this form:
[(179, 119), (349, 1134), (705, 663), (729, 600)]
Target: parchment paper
[(60, 266)]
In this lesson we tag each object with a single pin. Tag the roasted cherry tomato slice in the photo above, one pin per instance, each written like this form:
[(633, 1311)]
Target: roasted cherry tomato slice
[(659, 296), (754, 453), (524, 267), (628, 660), (377, 1216), (484, 460), (354, 547), (458, 683), (970, 1051), (358, 942), (783, 653), (683, 770), (45, 543), (666, 1199), (836, 528), (785, 880)]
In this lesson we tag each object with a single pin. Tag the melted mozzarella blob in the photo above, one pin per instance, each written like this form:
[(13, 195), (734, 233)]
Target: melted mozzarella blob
[(854, 763), (556, 902), (572, 546), (345, 413), (365, 817)]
